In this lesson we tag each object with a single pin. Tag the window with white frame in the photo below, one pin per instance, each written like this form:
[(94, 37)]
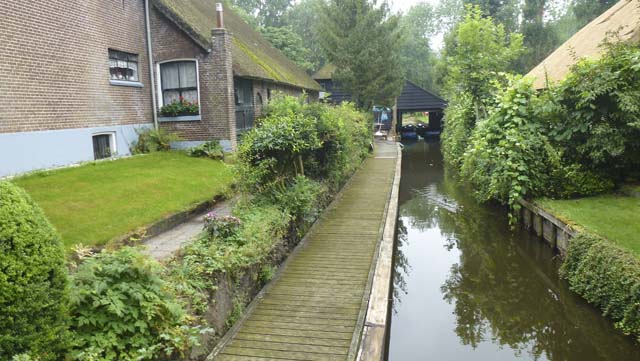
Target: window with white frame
[(104, 145), (123, 66), (179, 81)]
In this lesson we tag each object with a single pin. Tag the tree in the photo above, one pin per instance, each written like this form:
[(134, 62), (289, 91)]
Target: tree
[(290, 44), (363, 41), (587, 10), (266, 12), (304, 17), (418, 26), (478, 51), (504, 12), (540, 35)]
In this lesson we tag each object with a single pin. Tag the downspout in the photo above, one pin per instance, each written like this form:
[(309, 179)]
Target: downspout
[(151, 69)]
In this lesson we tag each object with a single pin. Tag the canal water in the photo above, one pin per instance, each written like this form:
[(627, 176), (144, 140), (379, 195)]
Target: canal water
[(466, 287)]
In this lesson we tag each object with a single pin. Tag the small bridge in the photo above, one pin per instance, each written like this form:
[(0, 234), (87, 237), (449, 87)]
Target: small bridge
[(316, 305)]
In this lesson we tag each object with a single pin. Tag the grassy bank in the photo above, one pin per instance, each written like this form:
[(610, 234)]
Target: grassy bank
[(614, 217), (98, 202)]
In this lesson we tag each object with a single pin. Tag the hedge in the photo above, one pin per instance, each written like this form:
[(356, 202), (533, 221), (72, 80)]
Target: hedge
[(606, 276), (33, 280)]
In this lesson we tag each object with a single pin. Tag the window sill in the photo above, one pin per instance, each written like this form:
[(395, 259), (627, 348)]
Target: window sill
[(182, 118), (135, 84)]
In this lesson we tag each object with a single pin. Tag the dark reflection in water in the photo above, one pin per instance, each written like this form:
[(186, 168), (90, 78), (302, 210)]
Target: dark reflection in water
[(468, 288)]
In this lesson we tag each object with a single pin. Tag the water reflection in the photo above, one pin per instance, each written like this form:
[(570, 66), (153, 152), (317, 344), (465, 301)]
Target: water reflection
[(468, 288)]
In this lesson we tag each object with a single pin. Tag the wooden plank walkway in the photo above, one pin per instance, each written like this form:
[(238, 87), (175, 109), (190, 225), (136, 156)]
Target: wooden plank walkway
[(315, 306)]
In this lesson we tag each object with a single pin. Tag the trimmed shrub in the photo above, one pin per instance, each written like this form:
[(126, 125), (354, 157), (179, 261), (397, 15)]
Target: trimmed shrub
[(606, 276), (33, 280), (123, 310)]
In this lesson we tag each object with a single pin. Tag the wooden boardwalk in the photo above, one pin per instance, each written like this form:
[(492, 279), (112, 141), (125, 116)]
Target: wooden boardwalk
[(315, 306)]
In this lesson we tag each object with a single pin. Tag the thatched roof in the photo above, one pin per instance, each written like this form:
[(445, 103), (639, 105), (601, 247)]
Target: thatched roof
[(325, 73), (622, 17), (253, 55)]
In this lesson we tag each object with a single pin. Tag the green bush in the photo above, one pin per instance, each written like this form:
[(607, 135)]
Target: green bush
[(275, 151), (33, 280), (153, 140), (211, 149), (316, 140), (606, 276), (509, 156), (598, 124), (346, 136), (302, 199), (460, 121), (123, 310)]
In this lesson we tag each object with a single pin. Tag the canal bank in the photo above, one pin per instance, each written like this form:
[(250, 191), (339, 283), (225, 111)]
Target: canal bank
[(468, 288), (318, 303)]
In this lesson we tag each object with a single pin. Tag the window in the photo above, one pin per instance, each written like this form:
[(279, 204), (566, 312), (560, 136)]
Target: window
[(123, 66), (179, 81), (103, 145)]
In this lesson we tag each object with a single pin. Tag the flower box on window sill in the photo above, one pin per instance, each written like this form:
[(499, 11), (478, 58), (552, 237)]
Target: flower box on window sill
[(180, 118)]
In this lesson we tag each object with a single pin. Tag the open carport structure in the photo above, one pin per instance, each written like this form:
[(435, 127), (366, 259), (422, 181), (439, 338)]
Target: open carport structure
[(416, 99)]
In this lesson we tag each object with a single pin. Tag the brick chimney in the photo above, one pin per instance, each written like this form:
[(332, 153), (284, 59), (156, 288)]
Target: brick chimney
[(223, 88)]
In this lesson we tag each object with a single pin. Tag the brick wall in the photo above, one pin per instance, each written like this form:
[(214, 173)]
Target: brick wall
[(215, 79), (262, 88), (54, 66)]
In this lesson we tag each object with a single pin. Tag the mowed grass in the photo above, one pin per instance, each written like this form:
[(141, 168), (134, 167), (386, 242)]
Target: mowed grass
[(99, 202), (614, 217)]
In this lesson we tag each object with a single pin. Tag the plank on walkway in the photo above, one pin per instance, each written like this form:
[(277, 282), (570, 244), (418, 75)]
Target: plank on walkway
[(311, 310)]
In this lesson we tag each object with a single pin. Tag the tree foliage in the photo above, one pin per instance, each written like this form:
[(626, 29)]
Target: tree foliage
[(291, 44), (418, 26), (481, 50), (363, 40), (578, 138), (33, 280)]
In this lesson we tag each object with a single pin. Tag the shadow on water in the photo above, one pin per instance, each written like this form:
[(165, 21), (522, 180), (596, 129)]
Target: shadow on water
[(466, 287)]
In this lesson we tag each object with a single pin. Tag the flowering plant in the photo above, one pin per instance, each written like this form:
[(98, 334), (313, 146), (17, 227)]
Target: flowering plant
[(221, 226), (180, 107)]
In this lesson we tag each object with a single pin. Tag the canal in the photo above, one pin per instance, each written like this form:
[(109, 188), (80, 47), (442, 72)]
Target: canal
[(466, 287)]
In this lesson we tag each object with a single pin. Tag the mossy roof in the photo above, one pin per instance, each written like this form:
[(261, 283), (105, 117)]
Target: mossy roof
[(253, 55), (622, 17), (326, 72)]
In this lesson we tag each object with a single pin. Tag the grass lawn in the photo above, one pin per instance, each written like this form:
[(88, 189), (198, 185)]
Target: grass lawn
[(98, 202), (614, 217)]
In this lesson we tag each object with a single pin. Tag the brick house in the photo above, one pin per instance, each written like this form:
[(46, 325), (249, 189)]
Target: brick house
[(76, 85)]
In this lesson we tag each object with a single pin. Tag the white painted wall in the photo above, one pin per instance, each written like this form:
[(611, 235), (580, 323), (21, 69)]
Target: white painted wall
[(29, 151)]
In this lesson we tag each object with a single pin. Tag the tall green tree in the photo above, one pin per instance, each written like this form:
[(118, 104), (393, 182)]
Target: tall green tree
[(478, 51), (418, 26), (540, 36), (304, 18), (266, 12), (504, 12), (291, 44), (587, 10), (363, 41)]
